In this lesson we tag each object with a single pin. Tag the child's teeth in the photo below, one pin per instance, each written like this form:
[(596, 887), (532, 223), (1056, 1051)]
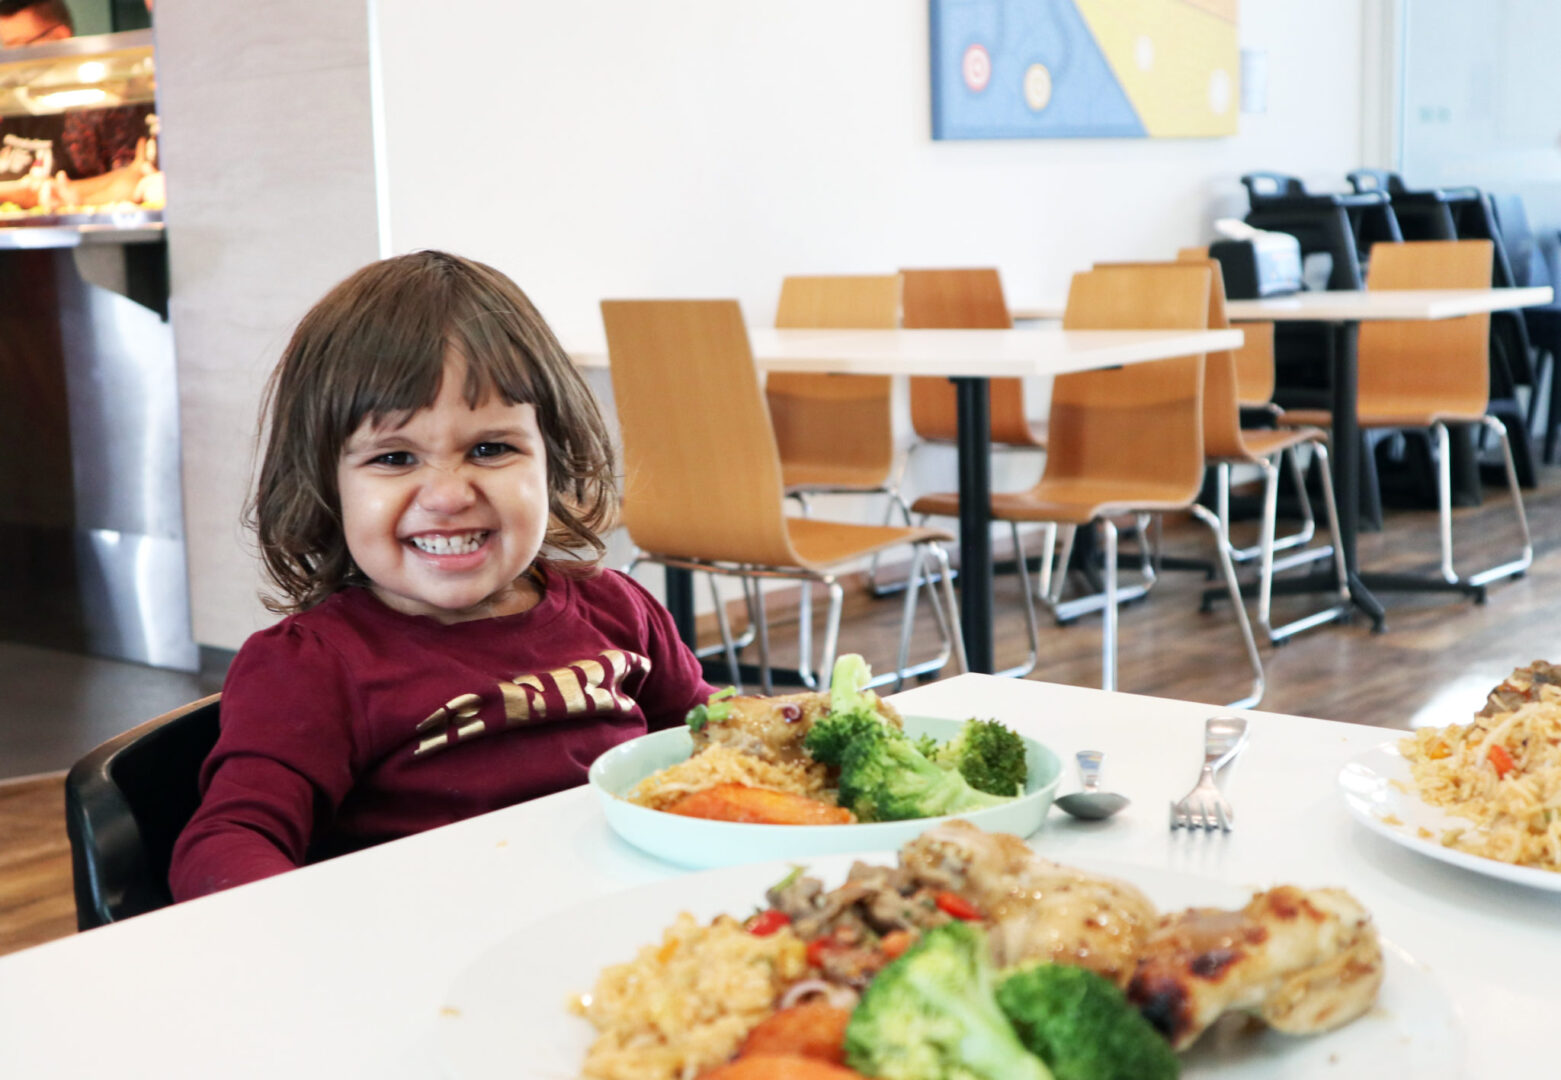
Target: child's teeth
[(450, 545)]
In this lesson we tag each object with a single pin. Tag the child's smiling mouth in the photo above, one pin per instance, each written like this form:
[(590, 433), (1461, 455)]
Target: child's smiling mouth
[(463, 543)]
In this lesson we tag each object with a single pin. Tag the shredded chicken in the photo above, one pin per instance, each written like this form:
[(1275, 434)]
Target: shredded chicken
[(1038, 910), (1303, 961), (772, 728)]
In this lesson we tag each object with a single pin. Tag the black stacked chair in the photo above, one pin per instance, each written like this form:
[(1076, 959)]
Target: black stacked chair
[(1529, 264), (126, 803), (1343, 226)]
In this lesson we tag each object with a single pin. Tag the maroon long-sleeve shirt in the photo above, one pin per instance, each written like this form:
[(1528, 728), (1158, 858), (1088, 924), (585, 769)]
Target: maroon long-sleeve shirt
[(350, 724)]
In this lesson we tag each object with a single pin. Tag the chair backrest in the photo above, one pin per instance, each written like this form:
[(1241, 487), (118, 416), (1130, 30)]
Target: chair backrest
[(1255, 359), (838, 420), (1143, 422), (1523, 253), (702, 473), (126, 803), (1221, 405), (1446, 360), (964, 299)]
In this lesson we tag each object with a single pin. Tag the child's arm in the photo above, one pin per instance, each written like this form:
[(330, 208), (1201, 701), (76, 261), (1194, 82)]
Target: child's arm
[(281, 766)]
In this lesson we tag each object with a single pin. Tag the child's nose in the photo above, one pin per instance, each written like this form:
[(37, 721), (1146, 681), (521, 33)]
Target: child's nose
[(445, 491)]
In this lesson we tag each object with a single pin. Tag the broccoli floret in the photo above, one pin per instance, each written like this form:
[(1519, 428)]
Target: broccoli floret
[(853, 712), (932, 1015), (927, 747), (989, 756), (883, 777), (715, 709), (1082, 1026)]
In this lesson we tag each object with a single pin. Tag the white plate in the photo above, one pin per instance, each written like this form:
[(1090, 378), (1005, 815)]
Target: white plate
[(505, 1016), (697, 843), (1371, 789)]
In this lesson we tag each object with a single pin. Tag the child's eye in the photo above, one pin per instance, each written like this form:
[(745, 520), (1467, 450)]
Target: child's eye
[(492, 450), (394, 459)]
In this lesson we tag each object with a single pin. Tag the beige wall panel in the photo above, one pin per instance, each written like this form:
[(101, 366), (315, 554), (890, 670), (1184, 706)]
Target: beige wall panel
[(268, 143)]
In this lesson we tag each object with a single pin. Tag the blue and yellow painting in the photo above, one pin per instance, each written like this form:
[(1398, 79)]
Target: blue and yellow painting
[(1034, 69)]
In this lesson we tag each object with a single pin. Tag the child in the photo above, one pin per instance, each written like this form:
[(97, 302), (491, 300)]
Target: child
[(432, 456)]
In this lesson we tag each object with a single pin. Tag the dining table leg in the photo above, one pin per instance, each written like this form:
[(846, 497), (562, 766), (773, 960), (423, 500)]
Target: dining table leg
[(973, 404), (1346, 465), (679, 590)]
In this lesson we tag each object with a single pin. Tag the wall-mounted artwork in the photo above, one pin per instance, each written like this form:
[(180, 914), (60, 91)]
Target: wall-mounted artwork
[(1035, 69)]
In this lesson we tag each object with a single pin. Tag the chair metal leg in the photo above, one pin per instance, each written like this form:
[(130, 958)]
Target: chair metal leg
[(1108, 637), (946, 584), (1444, 500), (1266, 547), (1521, 564), (1043, 587), (1030, 622), (832, 626), (727, 644), (1298, 539), (908, 619), (762, 623), (896, 500), (1229, 571)]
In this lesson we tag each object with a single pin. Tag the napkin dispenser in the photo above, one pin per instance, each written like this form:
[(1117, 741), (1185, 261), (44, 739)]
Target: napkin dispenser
[(1259, 265)]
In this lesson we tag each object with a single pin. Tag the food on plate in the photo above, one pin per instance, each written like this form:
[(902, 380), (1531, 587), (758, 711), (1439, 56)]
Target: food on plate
[(686, 1004), (757, 806), (724, 765), (841, 756), (1040, 910), (1539, 681), (1081, 1025), (1303, 961), (933, 1013), (1501, 772), (977, 959), (814, 1029)]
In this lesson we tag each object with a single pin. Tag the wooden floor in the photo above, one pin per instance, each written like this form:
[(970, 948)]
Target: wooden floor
[(1434, 665)]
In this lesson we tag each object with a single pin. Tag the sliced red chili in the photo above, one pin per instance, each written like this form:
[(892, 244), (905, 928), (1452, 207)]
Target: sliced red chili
[(956, 905), (767, 922)]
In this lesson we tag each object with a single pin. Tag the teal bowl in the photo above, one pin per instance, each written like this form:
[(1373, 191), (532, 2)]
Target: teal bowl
[(695, 842)]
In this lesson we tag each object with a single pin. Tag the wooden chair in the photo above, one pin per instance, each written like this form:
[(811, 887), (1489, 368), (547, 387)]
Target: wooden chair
[(972, 299), (1126, 441), (1432, 374), (835, 433), (1255, 382), (703, 488), (963, 299), (1226, 443)]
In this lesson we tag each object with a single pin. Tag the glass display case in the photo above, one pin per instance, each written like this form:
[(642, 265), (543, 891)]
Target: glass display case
[(78, 141)]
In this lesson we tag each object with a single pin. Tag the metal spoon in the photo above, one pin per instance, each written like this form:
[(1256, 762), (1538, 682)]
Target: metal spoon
[(1091, 804)]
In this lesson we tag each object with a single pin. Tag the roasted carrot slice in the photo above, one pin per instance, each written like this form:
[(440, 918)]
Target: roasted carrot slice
[(759, 806), (814, 1029), (779, 1067)]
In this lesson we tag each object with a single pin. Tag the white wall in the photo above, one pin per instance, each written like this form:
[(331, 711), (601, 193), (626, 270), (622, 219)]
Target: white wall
[(707, 148)]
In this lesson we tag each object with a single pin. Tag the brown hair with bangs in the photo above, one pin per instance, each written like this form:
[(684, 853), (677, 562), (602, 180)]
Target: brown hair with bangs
[(374, 350)]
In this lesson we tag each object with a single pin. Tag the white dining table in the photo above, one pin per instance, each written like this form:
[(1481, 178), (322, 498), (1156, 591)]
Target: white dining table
[(969, 359), (1343, 311), (341, 969)]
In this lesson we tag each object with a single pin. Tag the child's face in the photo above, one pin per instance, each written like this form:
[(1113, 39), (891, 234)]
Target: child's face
[(444, 513)]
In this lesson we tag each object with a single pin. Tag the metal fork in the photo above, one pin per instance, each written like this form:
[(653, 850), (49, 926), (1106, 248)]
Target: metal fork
[(1205, 806)]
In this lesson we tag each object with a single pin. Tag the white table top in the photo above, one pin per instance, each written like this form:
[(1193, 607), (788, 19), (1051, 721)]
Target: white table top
[(340, 969), (1373, 305), (1367, 305), (988, 353)]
